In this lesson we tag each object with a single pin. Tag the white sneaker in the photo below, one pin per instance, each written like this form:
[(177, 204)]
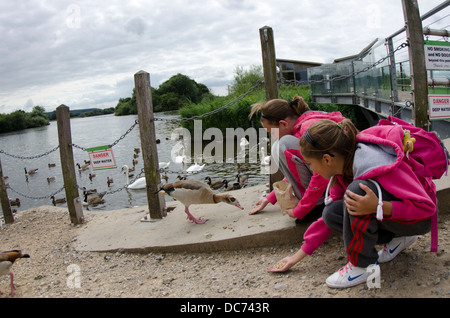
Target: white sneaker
[(348, 276), (395, 246)]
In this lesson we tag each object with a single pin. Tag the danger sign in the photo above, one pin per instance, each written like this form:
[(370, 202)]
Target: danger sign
[(439, 106), (101, 158)]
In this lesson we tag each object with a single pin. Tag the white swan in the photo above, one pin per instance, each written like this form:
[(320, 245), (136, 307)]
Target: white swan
[(195, 168), (138, 184), (244, 143), (164, 165), (265, 160)]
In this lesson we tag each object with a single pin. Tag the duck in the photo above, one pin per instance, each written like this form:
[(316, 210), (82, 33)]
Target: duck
[(15, 202), (216, 184), (190, 192), (30, 172), (51, 179), (83, 167), (265, 160), (109, 181), (140, 183), (93, 199), (7, 259), (57, 201)]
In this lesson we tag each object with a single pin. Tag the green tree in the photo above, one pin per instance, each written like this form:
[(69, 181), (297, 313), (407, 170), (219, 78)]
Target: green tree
[(245, 79)]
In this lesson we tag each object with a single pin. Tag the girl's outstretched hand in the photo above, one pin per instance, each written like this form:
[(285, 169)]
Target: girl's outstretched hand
[(282, 266), (260, 205)]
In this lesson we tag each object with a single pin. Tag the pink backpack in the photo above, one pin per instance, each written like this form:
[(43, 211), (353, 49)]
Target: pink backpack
[(425, 152)]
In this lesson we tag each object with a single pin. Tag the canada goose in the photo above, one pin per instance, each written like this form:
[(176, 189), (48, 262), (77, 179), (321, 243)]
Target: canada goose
[(91, 176), (181, 177), (57, 201), (90, 191), (109, 181), (138, 184), (15, 202), (51, 179), (87, 162), (265, 160), (83, 167), (191, 192), (137, 150), (7, 259), (165, 177), (93, 199), (30, 172), (216, 184), (51, 165), (135, 162), (234, 186), (242, 180)]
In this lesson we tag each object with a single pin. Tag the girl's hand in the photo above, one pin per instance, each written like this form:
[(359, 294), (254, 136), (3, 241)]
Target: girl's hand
[(290, 212), (361, 204), (282, 266), (260, 205)]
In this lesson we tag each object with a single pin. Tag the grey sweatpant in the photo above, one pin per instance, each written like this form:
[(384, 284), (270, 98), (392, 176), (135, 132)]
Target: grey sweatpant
[(362, 233)]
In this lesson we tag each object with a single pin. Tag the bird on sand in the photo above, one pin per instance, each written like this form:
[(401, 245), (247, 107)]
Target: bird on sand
[(7, 259), (190, 192)]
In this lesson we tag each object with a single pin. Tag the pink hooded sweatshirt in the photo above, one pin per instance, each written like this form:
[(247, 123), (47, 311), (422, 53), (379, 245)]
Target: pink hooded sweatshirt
[(380, 158), (316, 233)]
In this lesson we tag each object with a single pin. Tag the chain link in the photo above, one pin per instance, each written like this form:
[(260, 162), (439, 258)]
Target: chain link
[(30, 157), (36, 198)]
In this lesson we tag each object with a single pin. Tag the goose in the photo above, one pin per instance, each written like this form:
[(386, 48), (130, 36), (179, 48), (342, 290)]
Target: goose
[(83, 167), (234, 186), (137, 150), (93, 199), (30, 172), (135, 156), (216, 184), (138, 184), (91, 176), (87, 162), (265, 160), (109, 181), (51, 165), (15, 202), (242, 180), (190, 192), (7, 259), (135, 162), (51, 179), (57, 201)]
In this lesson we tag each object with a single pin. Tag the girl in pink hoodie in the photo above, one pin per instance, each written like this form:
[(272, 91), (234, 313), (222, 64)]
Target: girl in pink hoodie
[(377, 198)]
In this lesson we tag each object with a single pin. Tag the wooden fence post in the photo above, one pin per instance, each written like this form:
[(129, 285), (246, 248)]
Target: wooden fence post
[(68, 165), (419, 83), (156, 202), (270, 81), (6, 207)]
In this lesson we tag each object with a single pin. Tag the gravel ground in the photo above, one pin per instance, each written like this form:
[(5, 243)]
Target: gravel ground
[(57, 270)]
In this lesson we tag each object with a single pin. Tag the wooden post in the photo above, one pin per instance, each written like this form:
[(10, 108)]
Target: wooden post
[(156, 202), (68, 165), (419, 82), (6, 207), (270, 82)]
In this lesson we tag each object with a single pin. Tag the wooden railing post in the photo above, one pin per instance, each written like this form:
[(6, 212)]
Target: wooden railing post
[(6, 207), (68, 165), (156, 202), (419, 82), (270, 82)]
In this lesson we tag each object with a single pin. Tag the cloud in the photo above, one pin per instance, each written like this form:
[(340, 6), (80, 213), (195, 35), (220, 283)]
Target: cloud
[(85, 53)]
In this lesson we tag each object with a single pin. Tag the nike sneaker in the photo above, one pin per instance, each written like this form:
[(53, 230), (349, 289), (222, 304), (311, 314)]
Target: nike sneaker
[(395, 246), (348, 276)]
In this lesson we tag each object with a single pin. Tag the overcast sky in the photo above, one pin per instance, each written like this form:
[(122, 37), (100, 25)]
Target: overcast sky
[(85, 53)]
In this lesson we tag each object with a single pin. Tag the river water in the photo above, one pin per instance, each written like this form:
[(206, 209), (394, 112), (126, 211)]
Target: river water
[(35, 190)]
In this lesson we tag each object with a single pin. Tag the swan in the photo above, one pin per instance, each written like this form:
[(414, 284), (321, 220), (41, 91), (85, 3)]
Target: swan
[(244, 143), (195, 168), (265, 160), (191, 192), (164, 165), (138, 184)]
